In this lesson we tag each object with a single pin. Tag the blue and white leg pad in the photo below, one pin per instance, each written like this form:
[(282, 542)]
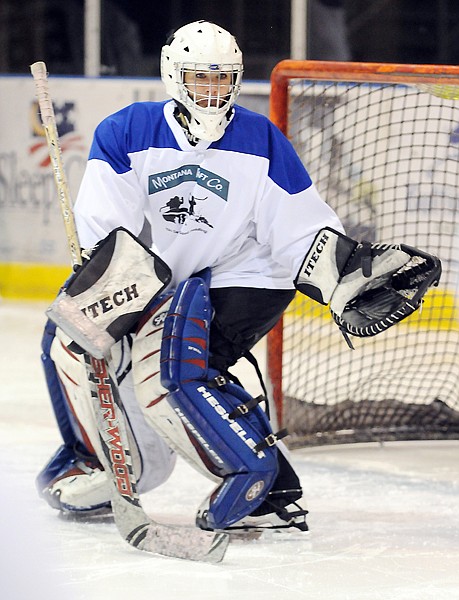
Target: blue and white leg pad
[(241, 448)]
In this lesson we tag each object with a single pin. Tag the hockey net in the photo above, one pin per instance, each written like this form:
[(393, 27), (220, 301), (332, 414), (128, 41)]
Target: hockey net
[(381, 143)]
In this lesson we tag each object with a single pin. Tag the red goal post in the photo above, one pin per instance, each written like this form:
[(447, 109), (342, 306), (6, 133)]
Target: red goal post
[(381, 143)]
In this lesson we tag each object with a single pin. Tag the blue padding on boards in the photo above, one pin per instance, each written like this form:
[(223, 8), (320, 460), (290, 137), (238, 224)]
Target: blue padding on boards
[(229, 443)]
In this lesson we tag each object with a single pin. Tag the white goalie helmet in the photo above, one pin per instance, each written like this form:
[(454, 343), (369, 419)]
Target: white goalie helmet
[(201, 67)]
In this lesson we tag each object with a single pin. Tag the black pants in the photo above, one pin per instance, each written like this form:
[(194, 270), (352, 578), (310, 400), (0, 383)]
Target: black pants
[(242, 317)]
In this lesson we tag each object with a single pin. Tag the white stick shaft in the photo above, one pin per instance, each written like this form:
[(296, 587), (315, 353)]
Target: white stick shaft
[(48, 118)]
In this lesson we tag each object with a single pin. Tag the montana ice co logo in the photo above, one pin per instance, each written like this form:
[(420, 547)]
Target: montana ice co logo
[(206, 179)]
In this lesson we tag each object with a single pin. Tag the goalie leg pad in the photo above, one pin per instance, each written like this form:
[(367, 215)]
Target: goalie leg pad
[(242, 449), (152, 459), (71, 371), (152, 395)]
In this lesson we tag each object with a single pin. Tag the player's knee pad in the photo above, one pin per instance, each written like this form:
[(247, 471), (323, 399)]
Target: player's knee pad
[(230, 429)]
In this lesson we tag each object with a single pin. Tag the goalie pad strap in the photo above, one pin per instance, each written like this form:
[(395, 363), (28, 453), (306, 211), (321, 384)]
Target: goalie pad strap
[(243, 409), (271, 440)]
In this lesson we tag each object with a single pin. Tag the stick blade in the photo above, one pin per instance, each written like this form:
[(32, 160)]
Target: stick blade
[(176, 541), (190, 544)]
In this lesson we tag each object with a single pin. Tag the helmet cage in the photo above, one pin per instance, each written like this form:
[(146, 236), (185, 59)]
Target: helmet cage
[(216, 94)]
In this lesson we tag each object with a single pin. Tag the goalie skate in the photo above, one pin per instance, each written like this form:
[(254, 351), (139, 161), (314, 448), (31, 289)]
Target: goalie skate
[(83, 491), (291, 519), (288, 519)]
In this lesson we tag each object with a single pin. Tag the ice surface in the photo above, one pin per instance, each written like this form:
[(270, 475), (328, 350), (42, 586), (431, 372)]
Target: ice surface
[(384, 519)]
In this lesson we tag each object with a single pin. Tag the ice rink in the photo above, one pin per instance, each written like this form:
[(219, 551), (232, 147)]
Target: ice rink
[(384, 519)]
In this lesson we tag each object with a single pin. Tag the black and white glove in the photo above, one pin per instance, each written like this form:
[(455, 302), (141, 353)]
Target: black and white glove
[(105, 298), (369, 287)]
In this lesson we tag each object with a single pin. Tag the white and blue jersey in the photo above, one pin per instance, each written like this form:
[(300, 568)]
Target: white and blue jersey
[(243, 205)]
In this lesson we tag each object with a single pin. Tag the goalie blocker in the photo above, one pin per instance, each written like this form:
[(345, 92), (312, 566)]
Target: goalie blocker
[(369, 286)]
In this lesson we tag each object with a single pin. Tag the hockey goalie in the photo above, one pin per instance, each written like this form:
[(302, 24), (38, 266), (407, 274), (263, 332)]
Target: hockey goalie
[(199, 224)]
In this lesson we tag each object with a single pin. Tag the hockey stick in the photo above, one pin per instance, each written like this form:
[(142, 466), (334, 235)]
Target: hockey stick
[(132, 522), (48, 118)]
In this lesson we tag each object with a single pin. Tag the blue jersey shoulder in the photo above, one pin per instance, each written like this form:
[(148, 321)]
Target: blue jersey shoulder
[(252, 133), (142, 125), (137, 127)]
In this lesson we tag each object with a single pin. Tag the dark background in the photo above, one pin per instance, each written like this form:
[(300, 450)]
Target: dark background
[(406, 31)]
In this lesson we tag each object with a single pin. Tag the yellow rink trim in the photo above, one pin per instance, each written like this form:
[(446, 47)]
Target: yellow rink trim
[(28, 281), (440, 310)]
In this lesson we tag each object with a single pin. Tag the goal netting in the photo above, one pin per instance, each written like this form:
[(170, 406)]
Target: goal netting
[(381, 143)]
